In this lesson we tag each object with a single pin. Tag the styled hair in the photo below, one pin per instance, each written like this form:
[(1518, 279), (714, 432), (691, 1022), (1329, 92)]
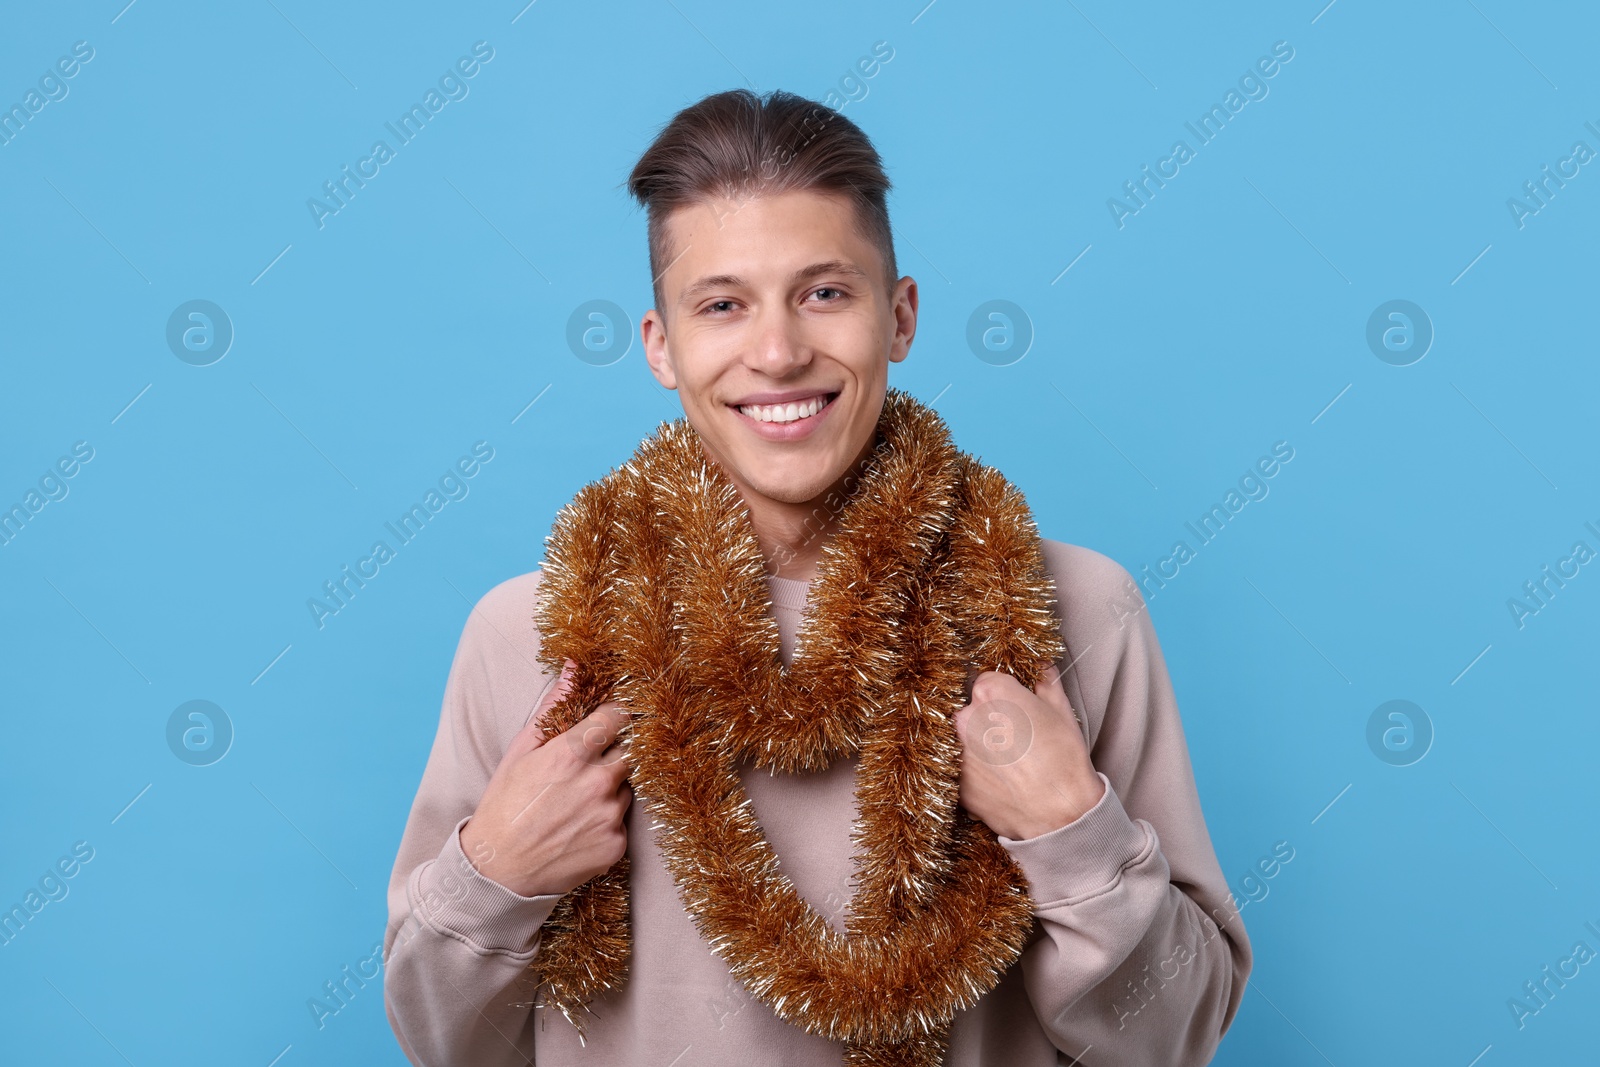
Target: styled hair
[(738, 145)]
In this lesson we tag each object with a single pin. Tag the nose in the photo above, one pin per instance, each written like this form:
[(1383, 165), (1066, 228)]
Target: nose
[(777, 347)]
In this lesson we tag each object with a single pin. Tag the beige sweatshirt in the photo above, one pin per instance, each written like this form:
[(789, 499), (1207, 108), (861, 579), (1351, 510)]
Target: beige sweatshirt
[(1138, 954)]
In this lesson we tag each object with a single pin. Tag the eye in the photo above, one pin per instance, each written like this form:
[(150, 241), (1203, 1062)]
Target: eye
[(718, 306), (829, 289)]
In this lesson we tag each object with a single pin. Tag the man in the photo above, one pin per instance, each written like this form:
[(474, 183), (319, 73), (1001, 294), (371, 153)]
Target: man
[(778, 311)]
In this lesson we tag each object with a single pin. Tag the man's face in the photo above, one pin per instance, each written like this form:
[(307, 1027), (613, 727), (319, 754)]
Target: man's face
[(777, 334)]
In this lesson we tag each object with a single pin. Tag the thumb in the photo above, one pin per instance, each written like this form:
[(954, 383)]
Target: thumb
[(561, 687), (552, 695)]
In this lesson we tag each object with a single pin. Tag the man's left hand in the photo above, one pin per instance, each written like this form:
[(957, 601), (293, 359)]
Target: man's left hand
[(1025, 767)]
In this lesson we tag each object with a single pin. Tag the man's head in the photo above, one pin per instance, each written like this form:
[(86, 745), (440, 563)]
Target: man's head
[(775, 284)]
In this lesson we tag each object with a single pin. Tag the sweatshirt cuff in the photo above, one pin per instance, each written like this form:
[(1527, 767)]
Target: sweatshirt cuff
[(450, 894), (1084, 858)]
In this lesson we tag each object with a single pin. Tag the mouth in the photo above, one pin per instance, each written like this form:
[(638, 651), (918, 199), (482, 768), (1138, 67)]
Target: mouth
[(795, 411)]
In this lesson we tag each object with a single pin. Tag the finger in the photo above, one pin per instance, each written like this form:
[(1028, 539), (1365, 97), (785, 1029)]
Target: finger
[(614, 759), (554, 693), (997, 731), (593, 737), (1051, 690), (988, 685), (533, 733)]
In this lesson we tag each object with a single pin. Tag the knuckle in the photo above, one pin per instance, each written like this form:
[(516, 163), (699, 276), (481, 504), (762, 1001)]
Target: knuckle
[(590, 790), (586, 741)]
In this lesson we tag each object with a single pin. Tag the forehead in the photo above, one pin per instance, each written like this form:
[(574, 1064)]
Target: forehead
[(761, 238)]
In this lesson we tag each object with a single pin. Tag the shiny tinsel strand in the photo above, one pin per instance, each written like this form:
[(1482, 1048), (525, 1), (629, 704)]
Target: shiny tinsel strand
[(654, 586)]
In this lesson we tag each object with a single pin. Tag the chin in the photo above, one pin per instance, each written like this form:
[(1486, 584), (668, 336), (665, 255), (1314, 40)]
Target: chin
[(781, 475), (802, 495), (787, 491)]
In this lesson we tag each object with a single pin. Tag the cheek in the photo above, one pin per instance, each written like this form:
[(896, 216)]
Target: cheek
[(692, 383), (849, 334)]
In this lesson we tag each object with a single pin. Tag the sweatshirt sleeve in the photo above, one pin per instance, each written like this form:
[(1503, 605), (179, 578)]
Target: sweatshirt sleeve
[(458, 945), (1141, 955)]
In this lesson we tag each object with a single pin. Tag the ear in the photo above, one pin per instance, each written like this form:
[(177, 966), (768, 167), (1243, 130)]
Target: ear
[(904, 302), (653, 333)]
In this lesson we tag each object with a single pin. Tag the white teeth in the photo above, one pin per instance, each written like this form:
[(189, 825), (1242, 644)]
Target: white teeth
[(785, 412)]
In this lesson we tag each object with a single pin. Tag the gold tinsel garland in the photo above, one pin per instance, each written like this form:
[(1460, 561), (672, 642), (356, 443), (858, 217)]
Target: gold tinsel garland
[(654, 585)]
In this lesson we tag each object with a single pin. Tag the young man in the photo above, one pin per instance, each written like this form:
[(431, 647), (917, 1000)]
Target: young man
[(672, 934)]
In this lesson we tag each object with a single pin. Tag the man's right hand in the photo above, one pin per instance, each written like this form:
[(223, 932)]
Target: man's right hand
[(552, 815)]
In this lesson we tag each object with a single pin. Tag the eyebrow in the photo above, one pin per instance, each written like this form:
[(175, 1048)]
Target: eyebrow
[(733, 281)]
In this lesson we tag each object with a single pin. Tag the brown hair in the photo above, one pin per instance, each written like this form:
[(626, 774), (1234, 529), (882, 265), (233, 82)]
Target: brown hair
[(739, 145)]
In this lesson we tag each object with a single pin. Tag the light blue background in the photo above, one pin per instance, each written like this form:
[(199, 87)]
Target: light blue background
[(1228, 314)]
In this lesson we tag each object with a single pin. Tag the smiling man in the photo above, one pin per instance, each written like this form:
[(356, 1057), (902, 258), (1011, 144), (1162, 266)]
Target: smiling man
[(780, 357), (802, 746)]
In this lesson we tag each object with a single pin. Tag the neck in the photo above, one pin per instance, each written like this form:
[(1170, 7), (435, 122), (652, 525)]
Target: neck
[(792, 534)]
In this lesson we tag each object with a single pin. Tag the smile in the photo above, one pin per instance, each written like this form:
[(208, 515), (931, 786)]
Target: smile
[(786, 413)]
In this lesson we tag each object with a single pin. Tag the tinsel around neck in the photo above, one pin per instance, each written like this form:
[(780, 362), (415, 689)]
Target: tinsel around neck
[(655, 586)]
